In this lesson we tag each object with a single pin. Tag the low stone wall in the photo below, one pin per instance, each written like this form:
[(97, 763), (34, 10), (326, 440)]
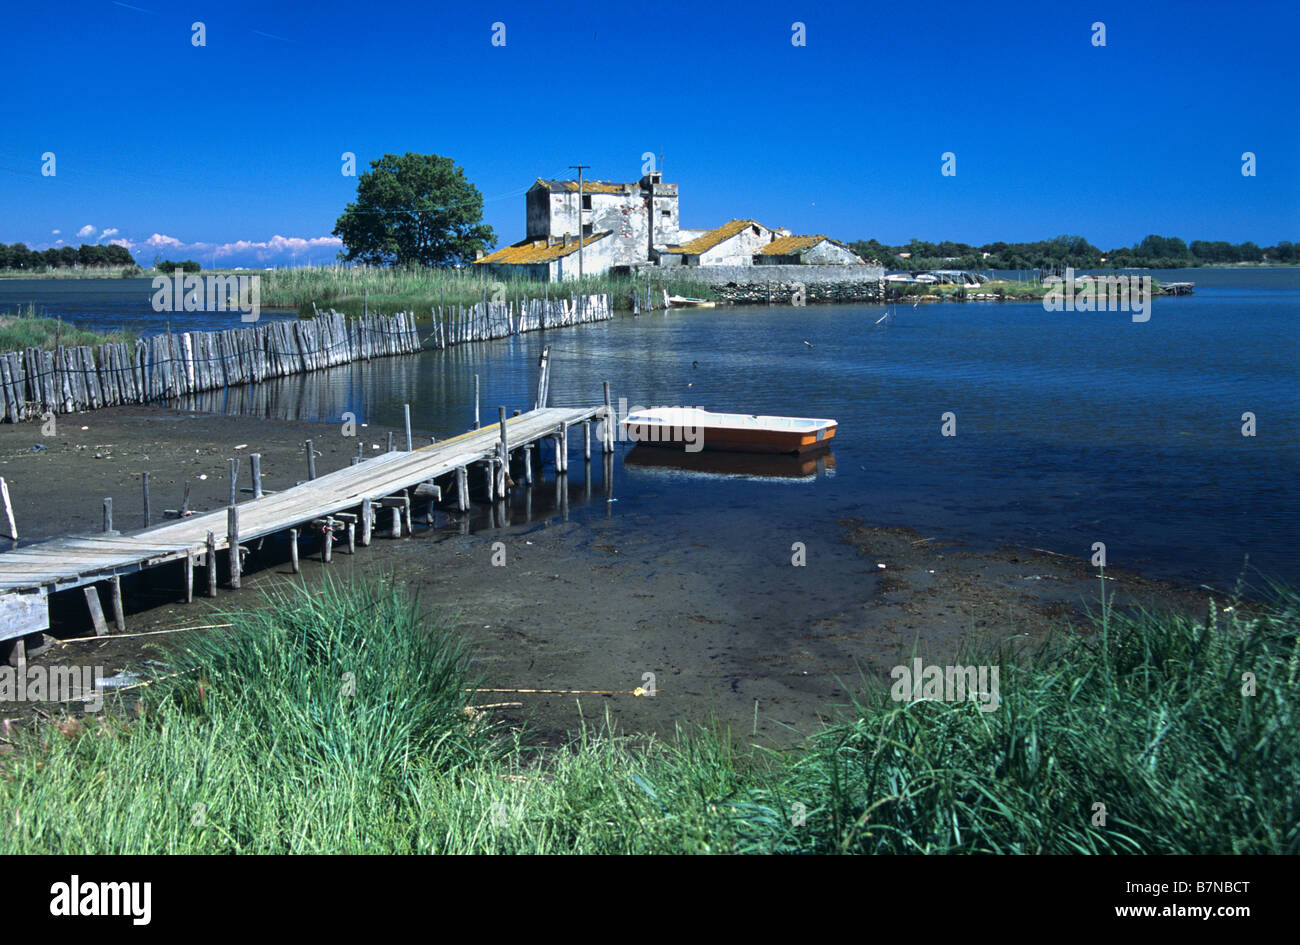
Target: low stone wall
[(783, 293), (758, 275), (749, 285)]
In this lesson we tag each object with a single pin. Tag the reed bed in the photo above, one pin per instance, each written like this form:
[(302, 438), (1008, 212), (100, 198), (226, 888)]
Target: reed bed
[(338, 721), (28, 327), (356, 289)]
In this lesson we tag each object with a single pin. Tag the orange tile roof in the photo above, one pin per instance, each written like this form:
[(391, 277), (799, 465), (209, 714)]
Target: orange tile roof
[(712, 238), (538, 251), (785, 245), (588, 186)]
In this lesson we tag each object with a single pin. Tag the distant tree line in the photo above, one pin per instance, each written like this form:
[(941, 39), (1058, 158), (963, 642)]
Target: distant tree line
[(88, 255), (1155, 252), (167, 265)]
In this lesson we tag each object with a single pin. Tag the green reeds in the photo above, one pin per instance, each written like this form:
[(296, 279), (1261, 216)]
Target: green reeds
[(28, 327), (258, 745), (354, 289)]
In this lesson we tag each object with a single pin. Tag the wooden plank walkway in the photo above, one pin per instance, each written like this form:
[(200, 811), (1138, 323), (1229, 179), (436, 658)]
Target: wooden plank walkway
[(78, 561)]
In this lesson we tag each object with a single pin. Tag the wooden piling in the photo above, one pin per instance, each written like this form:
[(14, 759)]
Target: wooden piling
[(475, 401), (367, 517), (234, 477), (144, 481), (293, 550), (311, 461), (119, 612), (462, 489), (255, 461), (212, 565), (232, 536), (108, 516), (608, 445), (96, 610), (406, 414), (9, 511), (189, 576)]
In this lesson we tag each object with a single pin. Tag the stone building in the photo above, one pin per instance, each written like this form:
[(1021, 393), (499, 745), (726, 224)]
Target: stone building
[(633, 225), (806, 251)]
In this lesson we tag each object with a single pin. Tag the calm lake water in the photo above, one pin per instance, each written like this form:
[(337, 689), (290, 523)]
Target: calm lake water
[(1071, 428)]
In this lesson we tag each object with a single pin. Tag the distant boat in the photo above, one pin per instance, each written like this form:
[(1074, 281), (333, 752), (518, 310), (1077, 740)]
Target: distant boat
[(684, 302), (691, 429)]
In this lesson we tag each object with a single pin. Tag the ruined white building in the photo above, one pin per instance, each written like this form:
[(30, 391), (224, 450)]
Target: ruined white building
[(638, 224)]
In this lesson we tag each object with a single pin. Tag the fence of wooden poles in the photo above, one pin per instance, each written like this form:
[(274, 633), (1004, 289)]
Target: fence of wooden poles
[(36, 382), (487, 319)]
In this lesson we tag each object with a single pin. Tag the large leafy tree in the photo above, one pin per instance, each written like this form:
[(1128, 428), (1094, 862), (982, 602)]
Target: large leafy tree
[(414, 210)]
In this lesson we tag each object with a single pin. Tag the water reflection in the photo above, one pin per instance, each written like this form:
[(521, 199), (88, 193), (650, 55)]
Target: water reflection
[(805, 466)]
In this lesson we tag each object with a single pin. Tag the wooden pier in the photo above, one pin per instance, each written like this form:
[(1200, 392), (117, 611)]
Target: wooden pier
[(348, 500)]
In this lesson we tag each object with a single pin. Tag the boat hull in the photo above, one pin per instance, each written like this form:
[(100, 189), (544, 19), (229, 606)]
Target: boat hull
[(696, 430)]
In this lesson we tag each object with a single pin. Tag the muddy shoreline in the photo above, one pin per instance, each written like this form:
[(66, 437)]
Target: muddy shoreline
[(586, 599)]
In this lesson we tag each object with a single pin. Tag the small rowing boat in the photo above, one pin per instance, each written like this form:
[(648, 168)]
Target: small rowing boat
[(693, 429), (679, 301)]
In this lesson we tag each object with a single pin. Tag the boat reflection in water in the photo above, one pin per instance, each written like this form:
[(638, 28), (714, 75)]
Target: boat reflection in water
[(768, 466)]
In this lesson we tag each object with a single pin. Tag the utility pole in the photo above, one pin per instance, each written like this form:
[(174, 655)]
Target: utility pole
[(579, 168)]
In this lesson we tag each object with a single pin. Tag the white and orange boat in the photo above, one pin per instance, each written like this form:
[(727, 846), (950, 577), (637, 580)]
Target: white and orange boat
[(693, 429)]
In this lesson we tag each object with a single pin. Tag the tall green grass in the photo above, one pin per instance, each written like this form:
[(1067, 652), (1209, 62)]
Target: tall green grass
[(352, 289), (27, 327), (256, 747)]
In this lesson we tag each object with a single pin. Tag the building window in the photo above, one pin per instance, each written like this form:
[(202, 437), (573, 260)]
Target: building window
[(586, 201), (666, 213), (586, 229)]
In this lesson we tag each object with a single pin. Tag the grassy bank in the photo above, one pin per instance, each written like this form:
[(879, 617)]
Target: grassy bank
[(338, 721), (351, 289), (91, 272), (27, 327)]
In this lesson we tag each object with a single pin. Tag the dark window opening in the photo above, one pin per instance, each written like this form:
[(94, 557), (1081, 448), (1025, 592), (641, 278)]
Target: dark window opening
[(586, 202)]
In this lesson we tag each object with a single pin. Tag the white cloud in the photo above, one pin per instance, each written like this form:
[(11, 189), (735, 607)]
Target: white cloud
[(86, 231), (111, 231), (55, 232)]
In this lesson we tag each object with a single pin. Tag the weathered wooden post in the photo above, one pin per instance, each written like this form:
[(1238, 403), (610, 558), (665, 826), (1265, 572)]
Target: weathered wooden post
[(234, 477), (212, 565), (462, 489), (144, 481), (189, 576), (311, 461), (9, 513), (367, 516), (505, 453), (108, 516), (586, 441), (406, 411), (528, 465), (475, 401), (609, 422), (255, 461), (119, 613), (232, 536), (293, 550)]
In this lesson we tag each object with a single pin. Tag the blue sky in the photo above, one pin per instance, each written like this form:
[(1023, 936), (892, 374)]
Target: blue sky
[(231, 152)]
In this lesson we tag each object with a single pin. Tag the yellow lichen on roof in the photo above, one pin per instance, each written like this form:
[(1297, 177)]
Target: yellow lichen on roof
[(786, 245), (702, 244), (538, 251), (588, 186)]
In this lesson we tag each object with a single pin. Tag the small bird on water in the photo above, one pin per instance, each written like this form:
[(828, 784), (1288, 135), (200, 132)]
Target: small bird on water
[(808, 343)]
